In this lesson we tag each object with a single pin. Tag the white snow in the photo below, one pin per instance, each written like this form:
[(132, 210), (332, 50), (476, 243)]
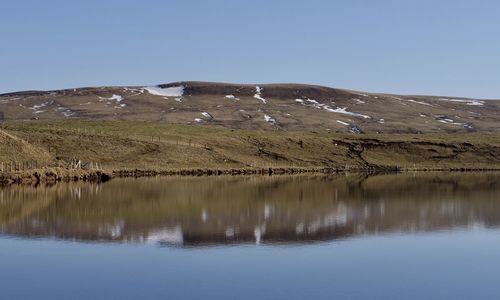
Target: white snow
[(198, 120), (311, 102), (465, 101), (449, 121), (343, 110), (176, 91), (258, 94), (475, 103), (358, 101), (419, 102), (269, 119), (36, 107), (340, 110), (381, 121), (39, 111), (68, 112), (315, 103), (117, 98), (360, 94), (343, 123), (65, 111), (136, 92), (232, 97), (207, 115)]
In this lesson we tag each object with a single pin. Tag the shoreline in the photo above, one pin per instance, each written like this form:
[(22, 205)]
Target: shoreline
[(55, 175), (52, 176)]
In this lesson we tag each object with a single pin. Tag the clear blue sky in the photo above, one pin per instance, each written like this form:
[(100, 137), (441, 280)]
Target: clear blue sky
[(446, 47)]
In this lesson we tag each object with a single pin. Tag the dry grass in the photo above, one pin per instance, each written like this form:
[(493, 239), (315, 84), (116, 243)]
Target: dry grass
[(159, 146)]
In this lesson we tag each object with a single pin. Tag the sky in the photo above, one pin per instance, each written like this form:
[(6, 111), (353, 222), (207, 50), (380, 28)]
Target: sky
[(439, 47)]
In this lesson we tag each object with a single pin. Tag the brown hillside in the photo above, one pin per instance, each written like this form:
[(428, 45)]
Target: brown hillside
[(278, 107)]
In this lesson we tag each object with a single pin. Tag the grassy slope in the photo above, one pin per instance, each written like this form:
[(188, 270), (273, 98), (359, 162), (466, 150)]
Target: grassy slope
[(157, 145), (14, 148)]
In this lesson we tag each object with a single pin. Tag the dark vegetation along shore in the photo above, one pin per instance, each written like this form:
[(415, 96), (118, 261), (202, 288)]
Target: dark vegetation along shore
[(46, 151)]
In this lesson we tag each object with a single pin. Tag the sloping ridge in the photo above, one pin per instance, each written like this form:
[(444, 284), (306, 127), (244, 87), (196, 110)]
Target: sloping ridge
[(13, 148)]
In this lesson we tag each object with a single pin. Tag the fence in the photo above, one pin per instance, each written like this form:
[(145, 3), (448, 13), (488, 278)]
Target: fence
[(16, 166)]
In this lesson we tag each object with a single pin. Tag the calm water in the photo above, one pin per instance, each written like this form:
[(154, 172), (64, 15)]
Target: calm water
[(425, 236)]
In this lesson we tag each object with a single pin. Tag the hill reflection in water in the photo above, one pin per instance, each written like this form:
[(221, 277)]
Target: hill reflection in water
[(190, 212)]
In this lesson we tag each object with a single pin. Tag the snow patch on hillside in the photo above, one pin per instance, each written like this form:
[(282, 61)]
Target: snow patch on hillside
[(232, 97), (447, 120), (66, 111), (207, 115), (343, 110), (37, 107), (269, 119), (315, 103), (176, 91), (258, 94), (117, 98), (310, 102), (465, 101), (135, 92), (343, 123), (419, 102)]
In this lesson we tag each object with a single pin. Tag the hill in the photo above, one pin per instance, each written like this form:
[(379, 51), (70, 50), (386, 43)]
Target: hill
[(280, 107)]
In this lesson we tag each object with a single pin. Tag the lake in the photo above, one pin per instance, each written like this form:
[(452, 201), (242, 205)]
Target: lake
[(398, 236)]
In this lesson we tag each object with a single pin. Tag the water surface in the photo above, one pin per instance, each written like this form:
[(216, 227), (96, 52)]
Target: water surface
[(406, 236)]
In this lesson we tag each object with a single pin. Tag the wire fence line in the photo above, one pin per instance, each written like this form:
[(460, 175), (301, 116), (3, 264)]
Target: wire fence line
[(27, 165)]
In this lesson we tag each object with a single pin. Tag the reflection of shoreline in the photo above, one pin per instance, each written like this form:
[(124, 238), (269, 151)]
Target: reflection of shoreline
[(284, 210)]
